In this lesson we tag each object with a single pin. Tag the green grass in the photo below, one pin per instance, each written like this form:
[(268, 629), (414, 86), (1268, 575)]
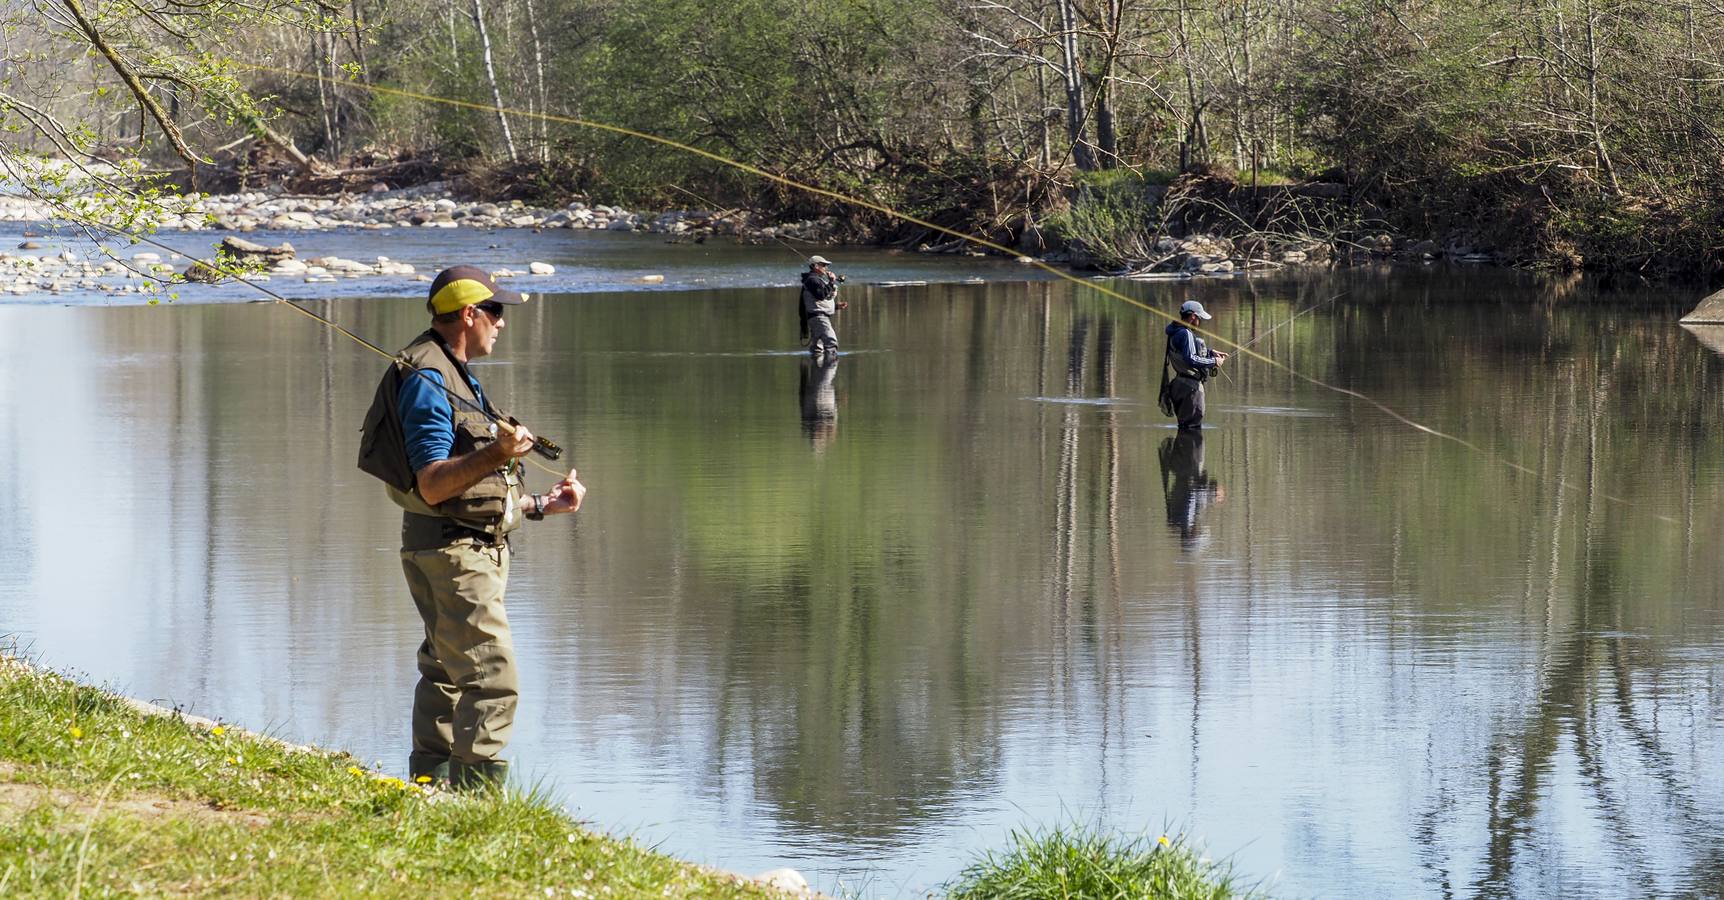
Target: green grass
[(98, 799), (1084, 864)]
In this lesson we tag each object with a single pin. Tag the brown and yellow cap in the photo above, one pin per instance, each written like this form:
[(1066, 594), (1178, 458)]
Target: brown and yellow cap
[(459, 286)]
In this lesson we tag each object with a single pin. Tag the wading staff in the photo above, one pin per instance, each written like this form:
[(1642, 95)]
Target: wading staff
[(507, 424)]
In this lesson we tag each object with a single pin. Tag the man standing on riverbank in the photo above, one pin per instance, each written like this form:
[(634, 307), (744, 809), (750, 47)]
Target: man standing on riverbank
[(819, 304), (1192, 363), (456, 475)]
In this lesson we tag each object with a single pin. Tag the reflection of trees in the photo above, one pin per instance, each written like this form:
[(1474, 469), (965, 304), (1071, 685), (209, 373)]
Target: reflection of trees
[(1593, 703)]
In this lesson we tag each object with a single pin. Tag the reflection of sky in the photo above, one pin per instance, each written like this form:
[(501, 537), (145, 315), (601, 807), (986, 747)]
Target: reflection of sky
[(872, 663)]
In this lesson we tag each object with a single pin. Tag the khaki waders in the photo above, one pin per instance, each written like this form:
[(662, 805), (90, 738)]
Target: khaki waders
[(464, 705)]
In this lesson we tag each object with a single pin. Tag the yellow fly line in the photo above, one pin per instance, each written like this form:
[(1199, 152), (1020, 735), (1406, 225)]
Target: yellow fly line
[(1240, 349)]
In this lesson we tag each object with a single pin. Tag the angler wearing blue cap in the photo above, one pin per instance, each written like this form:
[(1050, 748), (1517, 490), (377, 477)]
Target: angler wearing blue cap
[(1191, 362)]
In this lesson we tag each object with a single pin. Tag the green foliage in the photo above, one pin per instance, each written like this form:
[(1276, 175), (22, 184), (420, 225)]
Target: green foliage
[(1077, 863), (1111, 217)]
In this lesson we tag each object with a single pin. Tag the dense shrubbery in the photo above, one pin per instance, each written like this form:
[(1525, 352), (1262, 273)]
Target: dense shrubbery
[(1564, 131)]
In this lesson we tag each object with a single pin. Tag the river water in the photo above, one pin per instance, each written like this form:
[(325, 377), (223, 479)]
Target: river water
[(864, 620)]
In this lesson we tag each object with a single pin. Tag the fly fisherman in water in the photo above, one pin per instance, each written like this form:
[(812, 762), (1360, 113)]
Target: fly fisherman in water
[(457, 477), (819, 304), (1192, 363)]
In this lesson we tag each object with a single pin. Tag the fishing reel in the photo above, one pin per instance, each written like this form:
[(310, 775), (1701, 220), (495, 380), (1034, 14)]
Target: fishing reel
[(544, 447)]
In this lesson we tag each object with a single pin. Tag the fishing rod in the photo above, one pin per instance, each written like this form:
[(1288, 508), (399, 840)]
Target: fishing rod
[(1294, 318), (543, 446), (1279, 325)]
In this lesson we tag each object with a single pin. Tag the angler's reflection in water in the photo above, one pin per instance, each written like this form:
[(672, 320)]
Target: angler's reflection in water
[(819, 400), (1189, 488)]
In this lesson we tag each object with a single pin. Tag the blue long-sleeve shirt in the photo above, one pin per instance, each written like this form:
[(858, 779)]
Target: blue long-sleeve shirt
[(427, 418), (1189, 352)]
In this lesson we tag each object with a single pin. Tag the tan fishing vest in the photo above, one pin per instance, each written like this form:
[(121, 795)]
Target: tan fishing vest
[(493, 504)]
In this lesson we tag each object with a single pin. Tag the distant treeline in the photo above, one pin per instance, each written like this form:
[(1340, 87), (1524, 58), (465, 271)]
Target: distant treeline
[(1562, 131)]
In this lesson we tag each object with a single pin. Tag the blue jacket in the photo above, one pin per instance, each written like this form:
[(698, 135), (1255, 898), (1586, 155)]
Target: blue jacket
[(1188, 354)]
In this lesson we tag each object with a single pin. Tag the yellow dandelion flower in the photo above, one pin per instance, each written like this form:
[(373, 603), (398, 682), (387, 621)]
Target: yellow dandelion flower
[(423, 779), (75, 732), (1163, 841), (232, 762), (355, 770), (218, 731)]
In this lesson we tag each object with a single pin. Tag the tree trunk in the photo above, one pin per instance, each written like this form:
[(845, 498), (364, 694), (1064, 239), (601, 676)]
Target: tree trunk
[(324, 89), (1076, 109), (491, 77), (1592, 100), (544, 153), (1194, 148), (1106, 132), (359, 44)]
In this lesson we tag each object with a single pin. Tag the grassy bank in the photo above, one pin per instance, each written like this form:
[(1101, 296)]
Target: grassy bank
[(97, 798)]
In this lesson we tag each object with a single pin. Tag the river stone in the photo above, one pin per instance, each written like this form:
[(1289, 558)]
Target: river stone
[(29, 245), (787, 880), (241, 248), (289, 267), (539, 268), (523, 221)]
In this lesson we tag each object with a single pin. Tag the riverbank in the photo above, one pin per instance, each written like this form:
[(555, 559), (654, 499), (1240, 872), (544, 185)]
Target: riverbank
[(106, 794), (98, 795)]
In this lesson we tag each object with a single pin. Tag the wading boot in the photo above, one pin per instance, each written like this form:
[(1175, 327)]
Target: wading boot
[(422, 765), (484, 775)]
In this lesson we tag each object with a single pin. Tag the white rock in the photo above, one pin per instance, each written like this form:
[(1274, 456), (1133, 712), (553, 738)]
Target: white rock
[(540, 268), (146, 257), (788, 880)]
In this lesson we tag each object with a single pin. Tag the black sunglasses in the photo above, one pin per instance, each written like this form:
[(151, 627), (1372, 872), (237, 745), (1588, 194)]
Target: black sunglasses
[(492, 307)]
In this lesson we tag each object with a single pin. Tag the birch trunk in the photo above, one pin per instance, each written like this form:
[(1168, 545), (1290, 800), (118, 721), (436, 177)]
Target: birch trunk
[(491, 77), (544, 150)]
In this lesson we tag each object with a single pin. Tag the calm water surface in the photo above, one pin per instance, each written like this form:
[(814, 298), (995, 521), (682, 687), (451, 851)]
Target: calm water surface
[(863, 620)]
